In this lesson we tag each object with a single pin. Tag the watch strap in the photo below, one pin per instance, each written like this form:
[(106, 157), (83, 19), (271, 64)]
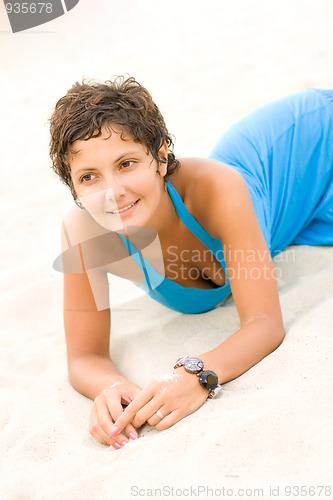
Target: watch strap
[(212, 392)]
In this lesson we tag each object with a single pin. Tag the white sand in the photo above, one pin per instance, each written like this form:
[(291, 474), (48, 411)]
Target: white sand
[(206, 64)]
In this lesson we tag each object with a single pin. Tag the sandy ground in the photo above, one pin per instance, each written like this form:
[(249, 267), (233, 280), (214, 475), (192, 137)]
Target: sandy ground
[(206, 64)]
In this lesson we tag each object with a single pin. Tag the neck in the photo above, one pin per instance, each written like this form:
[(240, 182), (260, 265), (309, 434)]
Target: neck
[(166, 220)]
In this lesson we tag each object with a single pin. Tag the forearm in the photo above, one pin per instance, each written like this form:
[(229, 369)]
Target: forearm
[(244, 348), (91, 374)]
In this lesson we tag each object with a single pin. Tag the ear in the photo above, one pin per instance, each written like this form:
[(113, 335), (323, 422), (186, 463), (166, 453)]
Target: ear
[(163, 154)]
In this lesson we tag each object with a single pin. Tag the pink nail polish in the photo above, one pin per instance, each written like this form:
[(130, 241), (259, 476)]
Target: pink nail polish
[(117, 445), (124, 442), (114, 431), (133, 436)]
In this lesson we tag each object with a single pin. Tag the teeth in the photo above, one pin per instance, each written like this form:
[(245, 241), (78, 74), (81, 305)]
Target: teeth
[(122, 209)]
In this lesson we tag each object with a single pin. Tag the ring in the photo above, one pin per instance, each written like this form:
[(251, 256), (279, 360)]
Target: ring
[(159, 414)]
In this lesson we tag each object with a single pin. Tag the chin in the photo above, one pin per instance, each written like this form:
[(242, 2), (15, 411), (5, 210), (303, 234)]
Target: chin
[(111, 223)]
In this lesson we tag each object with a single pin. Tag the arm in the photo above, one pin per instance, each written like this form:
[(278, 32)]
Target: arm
[(90, 368), (254, 287), (252, 280), (244, 349)]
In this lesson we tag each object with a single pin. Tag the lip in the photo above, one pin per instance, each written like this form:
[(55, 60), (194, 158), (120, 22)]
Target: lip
[(125, 211)]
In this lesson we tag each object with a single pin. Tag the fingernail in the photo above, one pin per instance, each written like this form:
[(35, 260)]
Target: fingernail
[(118, 446), (133, 436), (124, 442), (114, 431)]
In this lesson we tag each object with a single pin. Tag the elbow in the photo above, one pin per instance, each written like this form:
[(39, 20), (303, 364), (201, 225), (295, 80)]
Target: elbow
[(274, 326), (71, 377), (279, 335), (74, 373)]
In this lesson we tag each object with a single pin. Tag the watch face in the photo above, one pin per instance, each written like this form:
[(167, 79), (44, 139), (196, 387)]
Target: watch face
[(208, 380), (193, 365)]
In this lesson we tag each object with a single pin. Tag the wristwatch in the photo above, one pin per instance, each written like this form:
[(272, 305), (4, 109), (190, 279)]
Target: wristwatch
[(207, 378)]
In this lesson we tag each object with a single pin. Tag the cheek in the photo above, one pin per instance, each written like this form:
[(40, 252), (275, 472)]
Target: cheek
[(144, 177), (92, 202), (148, 186)]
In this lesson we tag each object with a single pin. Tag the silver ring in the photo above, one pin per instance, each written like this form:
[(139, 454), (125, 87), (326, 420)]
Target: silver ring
[(159, 414)]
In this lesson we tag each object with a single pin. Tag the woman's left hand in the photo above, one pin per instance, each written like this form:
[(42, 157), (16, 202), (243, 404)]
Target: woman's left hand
[(175, 396)]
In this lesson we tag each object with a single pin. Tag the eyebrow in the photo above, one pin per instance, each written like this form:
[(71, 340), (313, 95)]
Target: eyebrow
[(115, 161)]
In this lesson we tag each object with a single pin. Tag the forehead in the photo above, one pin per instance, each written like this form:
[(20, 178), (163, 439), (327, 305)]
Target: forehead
[(110, 146), (111, 136)]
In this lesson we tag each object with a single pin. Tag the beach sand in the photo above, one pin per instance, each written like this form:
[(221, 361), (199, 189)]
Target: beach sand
[(206, 65)]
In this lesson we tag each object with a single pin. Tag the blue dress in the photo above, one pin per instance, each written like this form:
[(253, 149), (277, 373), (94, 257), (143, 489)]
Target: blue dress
[(172, 294), (284, 151)]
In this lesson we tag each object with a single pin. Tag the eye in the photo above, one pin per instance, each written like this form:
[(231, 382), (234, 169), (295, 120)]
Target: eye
[(87, 178), (127, 164)]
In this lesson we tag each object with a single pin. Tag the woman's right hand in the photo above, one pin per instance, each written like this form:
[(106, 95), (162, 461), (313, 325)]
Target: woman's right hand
[(107, 407)]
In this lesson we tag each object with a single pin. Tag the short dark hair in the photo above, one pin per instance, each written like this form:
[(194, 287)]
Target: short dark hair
[(88, 106)]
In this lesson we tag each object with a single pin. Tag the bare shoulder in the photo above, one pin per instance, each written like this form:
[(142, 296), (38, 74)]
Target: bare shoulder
[(218, 198), (82, 238), (79, 226), (209, 189), (100, 251)]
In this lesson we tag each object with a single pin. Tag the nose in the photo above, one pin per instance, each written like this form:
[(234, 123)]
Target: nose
[(114, 189)]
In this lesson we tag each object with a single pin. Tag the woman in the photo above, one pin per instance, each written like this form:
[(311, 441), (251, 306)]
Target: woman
[(189, 232)]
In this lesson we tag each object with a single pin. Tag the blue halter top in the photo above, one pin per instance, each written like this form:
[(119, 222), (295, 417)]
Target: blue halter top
[(172, 294)]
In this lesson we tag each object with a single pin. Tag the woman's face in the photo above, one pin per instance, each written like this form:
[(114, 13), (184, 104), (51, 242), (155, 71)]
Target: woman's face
[(116, 180)]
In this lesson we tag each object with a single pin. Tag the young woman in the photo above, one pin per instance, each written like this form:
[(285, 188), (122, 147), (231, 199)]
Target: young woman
[(189, 232)]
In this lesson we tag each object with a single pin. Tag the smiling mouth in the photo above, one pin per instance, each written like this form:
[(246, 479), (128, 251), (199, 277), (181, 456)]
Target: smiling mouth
[(123, 209)]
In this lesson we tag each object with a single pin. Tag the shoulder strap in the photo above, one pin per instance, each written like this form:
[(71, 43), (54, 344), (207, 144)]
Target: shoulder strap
[(190, 222)]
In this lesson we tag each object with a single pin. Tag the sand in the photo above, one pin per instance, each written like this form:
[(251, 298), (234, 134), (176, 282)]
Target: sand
[(206, 64)]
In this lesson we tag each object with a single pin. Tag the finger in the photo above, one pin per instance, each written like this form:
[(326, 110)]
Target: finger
[(115, 409), (131, 431), (105, 415), (131, 410), (95, 429), (169, 420), (97, 432), (99, 424), (148, 412), (118, 441), (128, 397), (156, 419)]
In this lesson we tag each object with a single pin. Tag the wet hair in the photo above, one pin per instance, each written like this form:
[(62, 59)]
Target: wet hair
[(89, 106)]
